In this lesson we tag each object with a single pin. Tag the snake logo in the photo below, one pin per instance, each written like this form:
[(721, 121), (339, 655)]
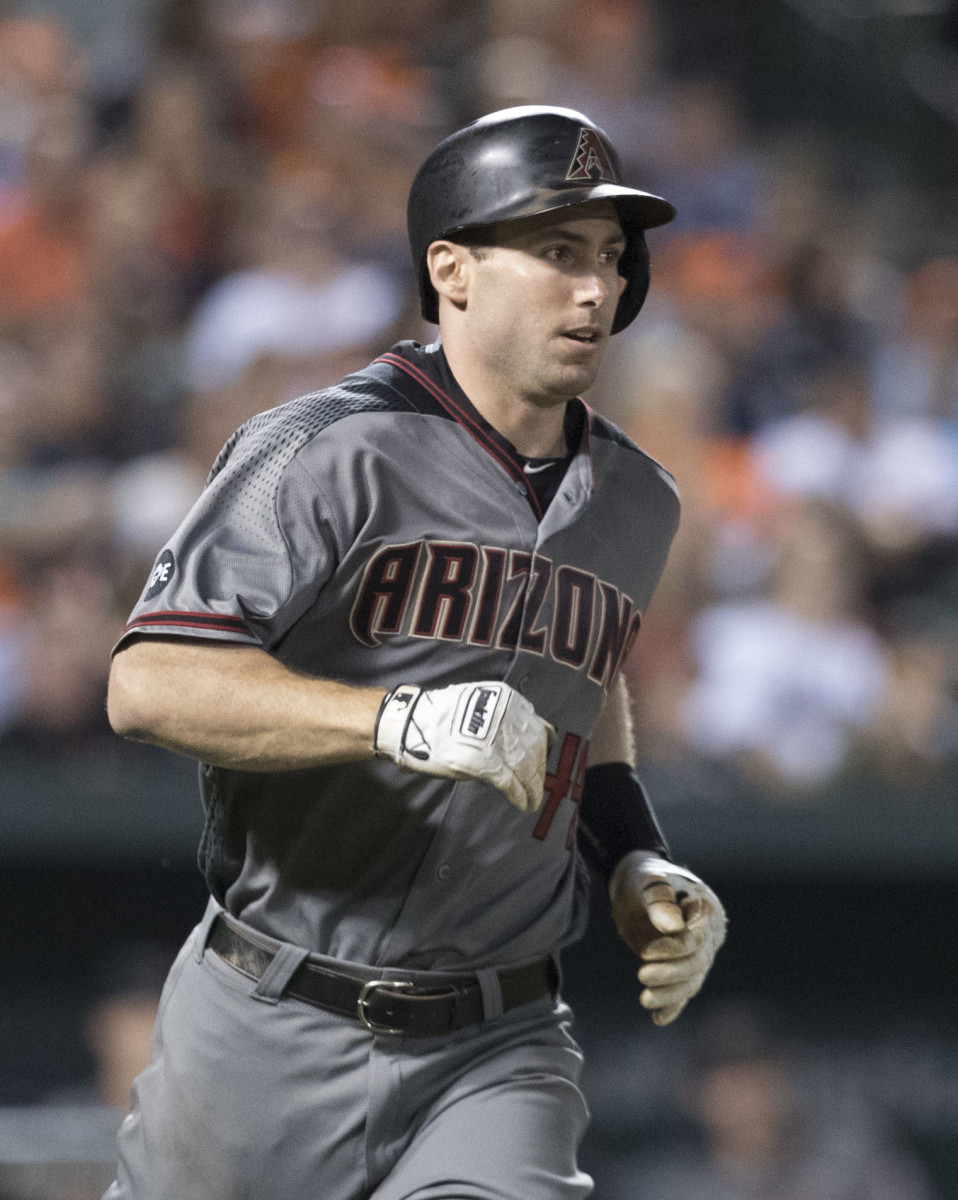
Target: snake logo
[(591, 161)]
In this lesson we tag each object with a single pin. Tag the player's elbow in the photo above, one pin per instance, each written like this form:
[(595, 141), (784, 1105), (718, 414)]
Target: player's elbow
[(128, 705)]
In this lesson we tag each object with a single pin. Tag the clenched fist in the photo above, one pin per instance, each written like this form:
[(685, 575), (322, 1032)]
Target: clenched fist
[(673, 921), (481, 731)]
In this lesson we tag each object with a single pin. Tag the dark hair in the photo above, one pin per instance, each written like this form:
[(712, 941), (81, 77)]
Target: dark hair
[(478, 240), (737, 1030), (129, 968)]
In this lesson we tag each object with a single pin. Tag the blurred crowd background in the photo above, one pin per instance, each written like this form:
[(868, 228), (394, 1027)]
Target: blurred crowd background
[(202, 214)]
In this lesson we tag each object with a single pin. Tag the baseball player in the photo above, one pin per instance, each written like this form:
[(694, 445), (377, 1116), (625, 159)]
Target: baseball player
[(391, 631)]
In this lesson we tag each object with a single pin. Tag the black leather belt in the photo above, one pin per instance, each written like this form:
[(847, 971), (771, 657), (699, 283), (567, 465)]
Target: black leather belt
[(387, 1006)]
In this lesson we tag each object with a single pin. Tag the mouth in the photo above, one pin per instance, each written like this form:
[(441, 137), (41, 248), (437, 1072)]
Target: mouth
[(587, 336)]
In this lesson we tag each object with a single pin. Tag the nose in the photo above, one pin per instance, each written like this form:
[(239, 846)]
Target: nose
[(592, 289)]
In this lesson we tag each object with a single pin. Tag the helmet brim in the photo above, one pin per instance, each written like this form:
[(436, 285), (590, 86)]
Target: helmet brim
[(638, 210)]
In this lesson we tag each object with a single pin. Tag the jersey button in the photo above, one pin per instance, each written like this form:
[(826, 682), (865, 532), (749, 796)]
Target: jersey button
[(520, 488), (443, 871), (525, 684)]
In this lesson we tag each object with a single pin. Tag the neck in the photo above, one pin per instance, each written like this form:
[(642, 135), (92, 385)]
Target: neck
[(535, 425)]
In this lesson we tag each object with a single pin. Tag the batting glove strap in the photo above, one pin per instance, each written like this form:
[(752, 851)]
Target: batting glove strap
[(641, 869), (392, 722)]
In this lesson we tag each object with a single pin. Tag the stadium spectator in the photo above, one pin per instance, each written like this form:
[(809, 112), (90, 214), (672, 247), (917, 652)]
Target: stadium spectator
[(916, 372), (898, 474), (785, 683), (759, 1136)]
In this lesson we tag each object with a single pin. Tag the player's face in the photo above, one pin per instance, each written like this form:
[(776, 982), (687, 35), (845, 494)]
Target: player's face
[(542, 300)]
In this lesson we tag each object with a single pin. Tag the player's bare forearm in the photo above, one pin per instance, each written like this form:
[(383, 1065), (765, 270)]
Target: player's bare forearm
[(612, 738), (236, 706)]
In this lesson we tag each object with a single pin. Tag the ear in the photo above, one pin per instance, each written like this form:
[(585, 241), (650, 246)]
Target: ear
[(449, 267)]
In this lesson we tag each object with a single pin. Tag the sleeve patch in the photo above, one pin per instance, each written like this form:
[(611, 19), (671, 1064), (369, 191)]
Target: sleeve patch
[(163, 571)]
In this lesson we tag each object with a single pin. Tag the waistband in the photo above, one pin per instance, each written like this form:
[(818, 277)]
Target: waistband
[(392, 1003)]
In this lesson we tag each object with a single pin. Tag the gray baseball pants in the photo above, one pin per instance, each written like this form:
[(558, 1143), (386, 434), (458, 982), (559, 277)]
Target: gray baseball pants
[(251, 1095)]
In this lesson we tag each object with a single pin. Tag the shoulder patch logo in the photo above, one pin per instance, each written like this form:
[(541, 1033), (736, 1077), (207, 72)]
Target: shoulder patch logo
[(591, 162), (160, 576)]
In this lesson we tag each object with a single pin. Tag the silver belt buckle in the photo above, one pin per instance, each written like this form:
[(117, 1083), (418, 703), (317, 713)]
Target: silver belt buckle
[(389, 985)]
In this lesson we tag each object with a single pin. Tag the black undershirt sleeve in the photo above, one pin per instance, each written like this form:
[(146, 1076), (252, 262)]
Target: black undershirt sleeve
[(615, 816)]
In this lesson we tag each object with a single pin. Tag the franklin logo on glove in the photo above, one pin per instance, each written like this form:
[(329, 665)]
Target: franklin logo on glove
[(477, 721)]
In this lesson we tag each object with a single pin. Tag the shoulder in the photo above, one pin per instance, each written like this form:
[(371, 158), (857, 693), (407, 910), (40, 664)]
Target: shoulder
[(608, 440), (279, 434)]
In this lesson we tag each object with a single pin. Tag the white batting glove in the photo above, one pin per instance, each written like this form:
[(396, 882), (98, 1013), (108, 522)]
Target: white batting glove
[(673, 921), (481, 731)]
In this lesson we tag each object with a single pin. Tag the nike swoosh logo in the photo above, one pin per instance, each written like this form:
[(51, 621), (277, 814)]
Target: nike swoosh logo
[(531, 470)]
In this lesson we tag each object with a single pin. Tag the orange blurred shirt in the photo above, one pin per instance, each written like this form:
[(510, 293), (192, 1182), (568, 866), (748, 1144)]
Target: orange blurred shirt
[(41, 267)]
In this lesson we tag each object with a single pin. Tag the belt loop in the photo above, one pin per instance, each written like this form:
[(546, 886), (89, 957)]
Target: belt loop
[(280, 971), (202, 932), (491, 991)]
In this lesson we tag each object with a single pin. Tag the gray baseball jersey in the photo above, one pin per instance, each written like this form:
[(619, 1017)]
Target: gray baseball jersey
[(382, 532)]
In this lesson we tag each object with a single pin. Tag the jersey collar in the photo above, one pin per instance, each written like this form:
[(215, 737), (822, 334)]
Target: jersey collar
[(428, 367)]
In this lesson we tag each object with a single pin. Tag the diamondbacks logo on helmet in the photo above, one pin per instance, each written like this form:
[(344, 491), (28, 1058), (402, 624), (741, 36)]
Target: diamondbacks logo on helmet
[(591, 162)]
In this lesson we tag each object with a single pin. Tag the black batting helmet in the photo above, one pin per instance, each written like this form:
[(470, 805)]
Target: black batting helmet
[(518, 162)]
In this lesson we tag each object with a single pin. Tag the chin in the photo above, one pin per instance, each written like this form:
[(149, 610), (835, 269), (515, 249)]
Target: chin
[(560, 381), (576, 379)]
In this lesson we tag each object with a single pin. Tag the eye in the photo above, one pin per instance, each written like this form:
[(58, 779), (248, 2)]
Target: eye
[(611, 257), (559, 254)]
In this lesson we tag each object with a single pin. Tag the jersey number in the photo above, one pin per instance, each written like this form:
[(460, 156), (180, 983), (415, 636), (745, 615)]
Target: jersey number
[(567, 780)]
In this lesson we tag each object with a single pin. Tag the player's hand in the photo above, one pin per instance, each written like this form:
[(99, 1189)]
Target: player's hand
[(673, 921), (468, 731)]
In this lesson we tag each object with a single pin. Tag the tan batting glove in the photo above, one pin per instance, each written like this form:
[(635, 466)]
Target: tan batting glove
[(673, 921), (481, 731)]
